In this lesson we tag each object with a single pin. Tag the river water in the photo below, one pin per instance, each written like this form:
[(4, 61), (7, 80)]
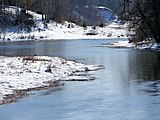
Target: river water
[(127, 89)]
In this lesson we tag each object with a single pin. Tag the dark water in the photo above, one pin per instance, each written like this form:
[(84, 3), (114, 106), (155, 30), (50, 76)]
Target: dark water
[(128, 89)]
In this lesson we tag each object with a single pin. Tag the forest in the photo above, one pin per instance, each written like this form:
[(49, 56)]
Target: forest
[(143, 15), (57, 10)]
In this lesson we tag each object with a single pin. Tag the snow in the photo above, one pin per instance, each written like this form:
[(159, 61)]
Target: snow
[(56, 31), (107, 14), (22, 73), (119, 44), (12, 9), (150, 45), (143, 45), (123, 44)]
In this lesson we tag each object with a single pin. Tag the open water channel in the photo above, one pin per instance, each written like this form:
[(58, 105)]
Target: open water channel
[(127, 89)]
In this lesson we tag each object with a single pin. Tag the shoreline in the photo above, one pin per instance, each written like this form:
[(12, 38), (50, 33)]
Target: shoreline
[(52, 30), (57, 31), (18, 94), (53, 39), (20, 75)]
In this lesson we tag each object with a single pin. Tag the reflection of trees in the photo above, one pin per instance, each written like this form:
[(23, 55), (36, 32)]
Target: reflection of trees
[(49, 48), (145, 65), (16, 49), (25, 49)]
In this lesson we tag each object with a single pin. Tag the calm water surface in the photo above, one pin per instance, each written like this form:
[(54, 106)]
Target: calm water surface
[(128, 89)]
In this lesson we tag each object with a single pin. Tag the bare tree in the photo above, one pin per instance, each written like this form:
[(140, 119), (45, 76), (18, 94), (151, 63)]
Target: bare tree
[(145, 15)]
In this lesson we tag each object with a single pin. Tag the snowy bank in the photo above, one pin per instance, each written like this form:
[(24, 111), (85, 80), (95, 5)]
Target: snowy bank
[(119, 44), (143, 45), (148, 45), (27, 73), (56, 31)]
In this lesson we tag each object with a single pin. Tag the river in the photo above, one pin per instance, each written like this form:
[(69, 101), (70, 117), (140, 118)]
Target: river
[(127, 89)]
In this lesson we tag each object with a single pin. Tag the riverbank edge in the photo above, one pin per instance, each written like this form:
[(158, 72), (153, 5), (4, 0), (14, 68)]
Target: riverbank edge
[(36, 73), (63, 38), (18, 94)]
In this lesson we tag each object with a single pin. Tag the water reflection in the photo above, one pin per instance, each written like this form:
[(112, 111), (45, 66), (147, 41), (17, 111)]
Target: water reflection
[(25, 48), (49, 92), (17, 48), (144, 65), (144, 68), (153, 88), (128, 89)]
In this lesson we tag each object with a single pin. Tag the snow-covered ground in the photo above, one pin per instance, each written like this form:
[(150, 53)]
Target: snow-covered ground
[(67, 30), (119, 44), (144, 45), (149, 45), (55, 31), (23, 73)]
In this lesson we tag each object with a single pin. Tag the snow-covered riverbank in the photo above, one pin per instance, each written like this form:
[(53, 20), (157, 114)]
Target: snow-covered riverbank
[(118, 44), (144, 45), (56, 31), (27, 73)]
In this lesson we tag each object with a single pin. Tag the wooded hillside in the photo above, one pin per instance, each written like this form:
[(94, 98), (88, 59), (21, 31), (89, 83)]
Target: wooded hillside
[(57, 10)]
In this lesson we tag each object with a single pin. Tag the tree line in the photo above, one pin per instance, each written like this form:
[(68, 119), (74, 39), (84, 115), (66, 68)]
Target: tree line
[(50, 9), (57, 9), (144, 17)]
